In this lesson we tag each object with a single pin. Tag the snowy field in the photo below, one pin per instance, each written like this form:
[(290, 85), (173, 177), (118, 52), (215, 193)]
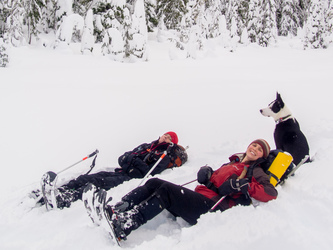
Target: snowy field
[(58, 106)]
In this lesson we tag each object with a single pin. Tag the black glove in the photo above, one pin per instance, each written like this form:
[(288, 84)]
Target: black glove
[(204, 174), (234, 186)]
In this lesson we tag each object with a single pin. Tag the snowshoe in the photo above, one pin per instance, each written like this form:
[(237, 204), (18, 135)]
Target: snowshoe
[(88, 198), (95, 204), (48, 183)]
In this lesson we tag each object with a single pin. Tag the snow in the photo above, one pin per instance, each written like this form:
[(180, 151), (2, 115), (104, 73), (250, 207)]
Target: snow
[(58, 106)]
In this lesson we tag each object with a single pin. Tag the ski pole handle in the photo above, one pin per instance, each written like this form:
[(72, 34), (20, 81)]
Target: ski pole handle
[(92, 154), (85, 158)]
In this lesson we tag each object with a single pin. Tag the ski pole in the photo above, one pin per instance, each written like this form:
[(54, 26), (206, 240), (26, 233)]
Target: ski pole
[(298, 165), (153, 167), (217, 203), (188, 183), (85, 158)]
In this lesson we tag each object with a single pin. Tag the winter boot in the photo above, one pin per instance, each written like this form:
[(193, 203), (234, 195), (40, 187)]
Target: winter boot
[(125, 222), (65, 197)]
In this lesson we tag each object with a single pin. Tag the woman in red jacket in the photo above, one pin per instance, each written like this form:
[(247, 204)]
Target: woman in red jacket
[(235, 181)]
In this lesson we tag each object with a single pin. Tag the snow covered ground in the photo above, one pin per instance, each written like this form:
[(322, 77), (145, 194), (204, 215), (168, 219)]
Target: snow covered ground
[(58, 106)]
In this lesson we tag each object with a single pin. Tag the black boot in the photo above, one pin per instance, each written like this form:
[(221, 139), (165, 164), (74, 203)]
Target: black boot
[(65, 197), (125, 222)]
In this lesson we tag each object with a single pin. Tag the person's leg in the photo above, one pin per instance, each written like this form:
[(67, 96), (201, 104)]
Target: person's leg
[(156, 195), (183, 202), (72, 191), (140, 194)]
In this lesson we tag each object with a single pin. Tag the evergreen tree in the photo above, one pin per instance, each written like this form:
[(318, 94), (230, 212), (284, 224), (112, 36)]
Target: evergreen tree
[(3, 54), (236, 22), (151, 17), (213, 16), (33, 13), (137, 33), (329, 22), (87, 43), (267, 31), (303, 13), (173, 11), (289, 19), (13, 16), (315, 26), (254, 20), (48, 18)]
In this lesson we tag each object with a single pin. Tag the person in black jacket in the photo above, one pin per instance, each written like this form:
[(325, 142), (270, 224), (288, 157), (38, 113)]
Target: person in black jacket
[(133, 164)]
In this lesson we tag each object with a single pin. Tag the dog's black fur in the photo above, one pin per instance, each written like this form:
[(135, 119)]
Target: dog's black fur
[(287, 135)]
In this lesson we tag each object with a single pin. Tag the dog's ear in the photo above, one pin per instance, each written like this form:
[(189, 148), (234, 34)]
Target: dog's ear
[(279, 100)]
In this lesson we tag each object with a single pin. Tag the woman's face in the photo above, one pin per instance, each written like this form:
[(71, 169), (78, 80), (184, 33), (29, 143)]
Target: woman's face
[(254, 152), (165, 138)]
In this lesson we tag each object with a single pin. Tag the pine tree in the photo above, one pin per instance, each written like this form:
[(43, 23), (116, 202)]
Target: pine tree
[(13, 11), (151, 17), (289, 20), (303, 13), (137, 33), (87, 43), (316, 26), (267, 28), (254, 20), (48, 18), (173, 11), (3, 54), (33, 13), (329, 23), (213, 16)]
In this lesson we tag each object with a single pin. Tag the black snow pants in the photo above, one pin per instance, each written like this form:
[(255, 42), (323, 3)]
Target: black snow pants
[(103, 179), (179, 201)]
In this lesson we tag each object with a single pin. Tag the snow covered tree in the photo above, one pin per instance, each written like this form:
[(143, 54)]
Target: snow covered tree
[(172, 11), (213, 16), (88, 40), (267, 31), (3, 17), (13, 16), (70, 25), (33, 13), (315, 32), (151, 17), (329, 23), (225, 33), (253, 20), (137, 33), (3, 54), (288, 20), (48, 18), (81, 7), (304, 6), (198, 16)]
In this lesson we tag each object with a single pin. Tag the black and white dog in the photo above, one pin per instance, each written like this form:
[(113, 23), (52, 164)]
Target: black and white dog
[(287, 135)]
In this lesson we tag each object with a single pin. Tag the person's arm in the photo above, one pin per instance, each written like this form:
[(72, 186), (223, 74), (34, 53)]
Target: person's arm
[(260, 188)]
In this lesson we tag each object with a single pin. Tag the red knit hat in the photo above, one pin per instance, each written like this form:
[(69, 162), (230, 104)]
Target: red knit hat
[(264, 145), (174, 137)]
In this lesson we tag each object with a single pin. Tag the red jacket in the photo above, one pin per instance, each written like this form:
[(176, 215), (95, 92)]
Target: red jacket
[(260, 187)]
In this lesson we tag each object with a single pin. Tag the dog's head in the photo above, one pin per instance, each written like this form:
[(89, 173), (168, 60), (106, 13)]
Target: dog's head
[(275, 109)]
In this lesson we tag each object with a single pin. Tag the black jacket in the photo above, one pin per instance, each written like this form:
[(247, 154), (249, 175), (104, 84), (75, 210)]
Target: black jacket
[(139, 161)]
